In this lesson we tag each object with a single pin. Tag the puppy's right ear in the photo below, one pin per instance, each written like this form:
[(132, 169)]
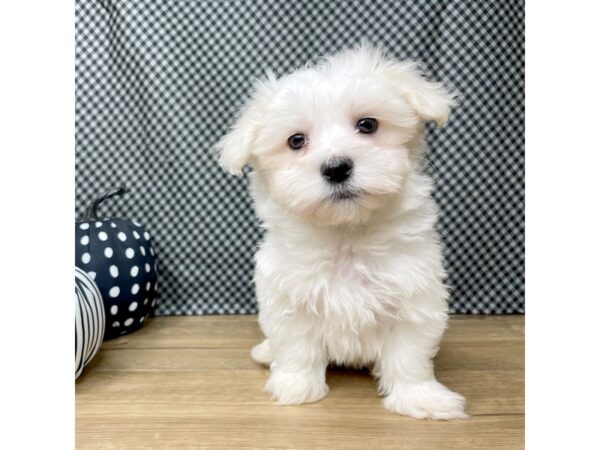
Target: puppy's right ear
[(235, 147), (430, 100)]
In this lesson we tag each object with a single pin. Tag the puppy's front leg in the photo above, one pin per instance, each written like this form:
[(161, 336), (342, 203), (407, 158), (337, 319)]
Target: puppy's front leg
[(406, 375), (298, 368)]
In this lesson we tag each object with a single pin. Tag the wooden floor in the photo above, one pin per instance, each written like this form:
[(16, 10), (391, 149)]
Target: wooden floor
[(189, 382)]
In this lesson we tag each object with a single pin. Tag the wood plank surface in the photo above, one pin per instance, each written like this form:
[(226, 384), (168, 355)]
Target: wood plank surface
[(189, 382)]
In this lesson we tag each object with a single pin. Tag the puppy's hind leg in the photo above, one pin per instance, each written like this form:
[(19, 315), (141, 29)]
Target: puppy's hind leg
[(262, 354)]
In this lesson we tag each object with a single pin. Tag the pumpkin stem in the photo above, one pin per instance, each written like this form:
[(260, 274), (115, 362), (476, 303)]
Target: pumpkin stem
[(92, 211)]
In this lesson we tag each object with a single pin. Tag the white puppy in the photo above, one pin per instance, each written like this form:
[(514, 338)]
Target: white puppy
[(350, 271)]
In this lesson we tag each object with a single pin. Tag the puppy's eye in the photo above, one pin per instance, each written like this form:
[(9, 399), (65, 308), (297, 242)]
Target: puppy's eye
[(367, 125), (297, 141)]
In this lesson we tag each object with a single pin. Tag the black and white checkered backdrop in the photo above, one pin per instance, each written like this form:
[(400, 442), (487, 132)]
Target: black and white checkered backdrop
[(158, 83)]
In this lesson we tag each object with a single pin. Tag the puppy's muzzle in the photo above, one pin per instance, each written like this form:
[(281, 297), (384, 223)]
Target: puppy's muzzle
[(337, 170)]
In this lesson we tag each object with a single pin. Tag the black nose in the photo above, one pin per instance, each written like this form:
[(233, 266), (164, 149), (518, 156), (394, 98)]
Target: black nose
[(337, 170)]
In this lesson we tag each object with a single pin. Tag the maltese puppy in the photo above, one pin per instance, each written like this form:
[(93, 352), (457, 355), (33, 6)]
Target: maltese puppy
[(350, 271)]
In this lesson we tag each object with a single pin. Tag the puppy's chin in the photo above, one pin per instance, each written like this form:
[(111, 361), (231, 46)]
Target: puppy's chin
[(343, 207)]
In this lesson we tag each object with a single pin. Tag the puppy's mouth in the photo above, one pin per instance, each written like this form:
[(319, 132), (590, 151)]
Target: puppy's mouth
[(343, 193)]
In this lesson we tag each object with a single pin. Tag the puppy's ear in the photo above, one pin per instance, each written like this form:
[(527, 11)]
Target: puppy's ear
[(235, 147), (431, 101)]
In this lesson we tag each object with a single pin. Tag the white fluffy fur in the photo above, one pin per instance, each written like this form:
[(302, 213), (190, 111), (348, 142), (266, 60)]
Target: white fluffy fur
[(356, 281)]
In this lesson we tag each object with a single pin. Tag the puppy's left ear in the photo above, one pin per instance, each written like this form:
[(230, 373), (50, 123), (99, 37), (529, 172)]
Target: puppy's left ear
[(235, 147), (431, 101)]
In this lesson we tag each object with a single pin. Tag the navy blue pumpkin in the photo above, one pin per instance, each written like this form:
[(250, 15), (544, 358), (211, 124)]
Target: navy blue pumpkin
[(118, 255)]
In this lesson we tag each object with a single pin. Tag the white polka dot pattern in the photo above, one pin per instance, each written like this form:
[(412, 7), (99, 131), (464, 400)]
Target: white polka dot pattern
[(123, 274)]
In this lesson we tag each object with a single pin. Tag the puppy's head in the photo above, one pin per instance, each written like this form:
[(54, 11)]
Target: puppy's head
[(331, 143)]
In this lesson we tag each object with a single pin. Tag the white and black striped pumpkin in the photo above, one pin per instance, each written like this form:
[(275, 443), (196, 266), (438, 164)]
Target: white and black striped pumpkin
[(118, 254), (89, 320)]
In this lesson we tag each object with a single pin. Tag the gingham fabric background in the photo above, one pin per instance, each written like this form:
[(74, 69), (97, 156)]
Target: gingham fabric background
[(158, 83)]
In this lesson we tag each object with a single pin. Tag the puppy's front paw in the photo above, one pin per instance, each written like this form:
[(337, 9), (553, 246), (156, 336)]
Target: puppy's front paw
[(429, 399), (294, 388)]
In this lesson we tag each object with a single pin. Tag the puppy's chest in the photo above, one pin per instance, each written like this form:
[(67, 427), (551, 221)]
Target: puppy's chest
[(346, 264), (350, 286)]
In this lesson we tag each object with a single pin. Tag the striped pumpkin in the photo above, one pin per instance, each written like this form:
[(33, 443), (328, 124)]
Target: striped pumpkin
[(89, 320)]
